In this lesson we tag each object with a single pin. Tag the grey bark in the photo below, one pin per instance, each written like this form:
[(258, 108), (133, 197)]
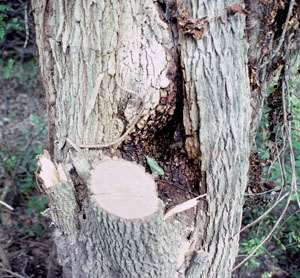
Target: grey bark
[(103, 244), (86, 47), (217, 86), (109, 246), (83, 48)]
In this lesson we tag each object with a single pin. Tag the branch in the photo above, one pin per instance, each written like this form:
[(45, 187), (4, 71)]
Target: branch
[(6, 205), (288, 125), (275, 52), (4, 258), (26, 25), (261, 193), (267, 237), (287, 136), (12, 273), (263, 215), (285, 220), (296, 95), (279, 153)]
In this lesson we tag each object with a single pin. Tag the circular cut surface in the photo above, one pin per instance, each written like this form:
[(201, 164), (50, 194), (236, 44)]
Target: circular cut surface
[(124, 189)]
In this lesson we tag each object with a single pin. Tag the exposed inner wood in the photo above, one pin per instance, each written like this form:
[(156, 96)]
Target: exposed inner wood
[(124, 189), (51, 174)]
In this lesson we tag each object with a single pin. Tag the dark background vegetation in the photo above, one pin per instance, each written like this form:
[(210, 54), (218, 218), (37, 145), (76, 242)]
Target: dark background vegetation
[(25, 245), (26, 249)]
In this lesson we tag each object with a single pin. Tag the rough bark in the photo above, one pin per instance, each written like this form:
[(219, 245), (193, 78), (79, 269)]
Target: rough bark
[(217, 89), (123, 232), (83, 48), (98, 60)]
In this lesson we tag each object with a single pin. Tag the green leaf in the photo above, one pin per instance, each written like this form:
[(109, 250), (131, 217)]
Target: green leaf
[(8, 69), (34, 118), (38, 230), (294, 197), (154, 166), (31, 233), (29, 210), (296, 145), (266, 155), (32, 167), (278, 187), (283, 247)]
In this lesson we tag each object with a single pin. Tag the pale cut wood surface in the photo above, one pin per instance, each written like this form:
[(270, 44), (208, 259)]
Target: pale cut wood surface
[(124, 189)]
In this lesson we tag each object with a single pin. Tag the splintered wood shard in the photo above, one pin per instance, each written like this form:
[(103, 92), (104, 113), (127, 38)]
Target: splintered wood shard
[(183, 206), (50, 173), (124, 189)]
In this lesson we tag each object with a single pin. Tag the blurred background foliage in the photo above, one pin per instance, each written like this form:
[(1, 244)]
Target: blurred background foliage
[(270, 176), (25, 233)]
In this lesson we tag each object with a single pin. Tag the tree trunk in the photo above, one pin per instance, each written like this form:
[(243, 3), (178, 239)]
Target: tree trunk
[(216, 83), (126, 79)]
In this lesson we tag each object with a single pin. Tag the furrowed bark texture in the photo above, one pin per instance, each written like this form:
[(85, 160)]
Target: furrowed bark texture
[(137, 248), (83, 48), (218, 113), (112, 247), (103, 244)]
